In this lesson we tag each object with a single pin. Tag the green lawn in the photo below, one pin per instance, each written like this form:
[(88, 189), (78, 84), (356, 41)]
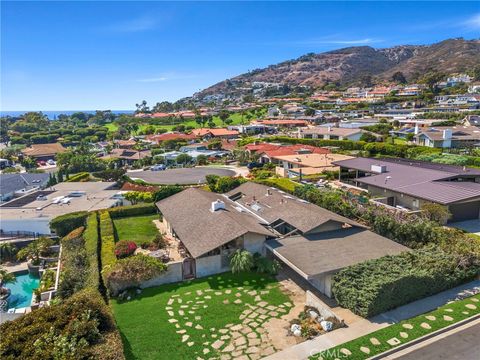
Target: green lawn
[(140, 229), (200, 318), (405, 331), (236, 117)]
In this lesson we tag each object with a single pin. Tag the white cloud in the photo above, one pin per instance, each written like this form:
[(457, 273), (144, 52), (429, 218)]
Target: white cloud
[(139, 24), (473, 23), (329, 41), (155, 79)]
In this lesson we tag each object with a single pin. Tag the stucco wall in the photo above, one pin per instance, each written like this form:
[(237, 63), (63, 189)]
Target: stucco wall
[(405, 200), (323, 282), (209, 265), (173, 274), (254, 243)]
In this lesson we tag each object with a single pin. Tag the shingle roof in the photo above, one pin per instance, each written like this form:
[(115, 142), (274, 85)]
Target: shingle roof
[(13, 182), (333, 250), (279, 205), (419, 179), (200, 229), (38, 150)]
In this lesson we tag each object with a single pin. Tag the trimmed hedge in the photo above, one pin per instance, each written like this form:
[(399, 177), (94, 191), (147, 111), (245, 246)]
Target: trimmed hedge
[(90, 237), (375, 286), (107, 234), (62, 331), (63, 224), (132, 210), (74, 264), (83, 176)]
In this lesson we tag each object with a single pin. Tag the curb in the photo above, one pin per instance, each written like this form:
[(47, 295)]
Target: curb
[(424, 337)]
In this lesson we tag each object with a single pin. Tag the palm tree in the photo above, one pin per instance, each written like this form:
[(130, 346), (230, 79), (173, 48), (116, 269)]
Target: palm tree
[(7, 250), (241, 260), (6, 277), (35, 249)]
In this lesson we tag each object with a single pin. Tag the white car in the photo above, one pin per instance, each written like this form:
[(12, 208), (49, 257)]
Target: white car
[(51, 162)]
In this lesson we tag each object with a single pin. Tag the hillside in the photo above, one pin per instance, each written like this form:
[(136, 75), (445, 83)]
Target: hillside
[(354, 64)]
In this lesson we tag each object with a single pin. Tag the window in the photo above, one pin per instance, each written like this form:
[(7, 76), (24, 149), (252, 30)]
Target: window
[(415, 203)]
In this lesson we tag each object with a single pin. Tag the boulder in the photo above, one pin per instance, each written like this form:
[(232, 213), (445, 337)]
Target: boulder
[(326, 325)]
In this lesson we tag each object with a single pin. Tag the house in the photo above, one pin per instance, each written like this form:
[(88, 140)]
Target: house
[(409, 184), (177, 136), (312, 241), (215, 133), (472, 120), (125, 144), (268, 152), (330, 133), (44, 152), (127, 156), (33, 211), (448, 136), (15, 185), (306, 164), (286, 123)]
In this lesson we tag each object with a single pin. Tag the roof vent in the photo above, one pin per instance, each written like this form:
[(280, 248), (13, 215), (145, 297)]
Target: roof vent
[(217, 205), (379, 168)]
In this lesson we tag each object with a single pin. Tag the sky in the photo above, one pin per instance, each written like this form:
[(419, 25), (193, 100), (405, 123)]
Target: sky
[(92, 55)]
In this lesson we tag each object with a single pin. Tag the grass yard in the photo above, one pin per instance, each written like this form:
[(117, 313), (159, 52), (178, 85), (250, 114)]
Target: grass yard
[(404, 331), (139, 229), (221, 314)]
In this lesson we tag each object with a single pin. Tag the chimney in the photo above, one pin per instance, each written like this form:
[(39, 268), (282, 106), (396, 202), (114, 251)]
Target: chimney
[(269, 192), (447, 134), (329, 129), (217, 205), (416, 129)]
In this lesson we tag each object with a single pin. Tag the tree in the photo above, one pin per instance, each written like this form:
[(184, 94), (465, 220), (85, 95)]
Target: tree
[(309, 112), (35, 249), (398, 77), (368, 137), (202, 160), (183, 159), (6, 277), (241, 260), (436, 212), (228, 121), (7, 250), (223, 115)]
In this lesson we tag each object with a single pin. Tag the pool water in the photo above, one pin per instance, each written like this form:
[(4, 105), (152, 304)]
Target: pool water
[(22, 290)]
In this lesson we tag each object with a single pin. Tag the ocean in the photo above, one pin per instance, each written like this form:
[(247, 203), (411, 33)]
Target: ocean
[(52, 115)]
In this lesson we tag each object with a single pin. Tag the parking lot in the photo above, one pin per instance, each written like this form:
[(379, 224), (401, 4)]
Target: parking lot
[(179, 176)]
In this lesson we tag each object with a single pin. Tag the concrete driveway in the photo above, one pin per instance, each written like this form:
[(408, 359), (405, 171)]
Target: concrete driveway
[(471, 226)]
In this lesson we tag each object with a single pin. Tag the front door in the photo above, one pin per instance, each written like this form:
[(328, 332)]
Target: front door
[(189, 269)]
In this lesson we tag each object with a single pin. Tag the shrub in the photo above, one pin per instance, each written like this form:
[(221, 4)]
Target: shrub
[(63, 224), (375, 286), (69, 330), (160, 241), (133, 210), (125, 248), (132, 271), (107, 246), (241, 260), (166, 191), (74, 264), (90, 237), (265, 265), (82, 176)]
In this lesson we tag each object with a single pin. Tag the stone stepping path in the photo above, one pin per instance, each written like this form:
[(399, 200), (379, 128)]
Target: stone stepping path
[(244, 340)]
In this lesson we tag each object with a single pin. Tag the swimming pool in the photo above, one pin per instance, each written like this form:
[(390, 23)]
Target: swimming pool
[(22, 290)]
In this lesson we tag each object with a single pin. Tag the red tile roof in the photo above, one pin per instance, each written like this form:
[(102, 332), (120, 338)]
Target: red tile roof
[(215, 132)]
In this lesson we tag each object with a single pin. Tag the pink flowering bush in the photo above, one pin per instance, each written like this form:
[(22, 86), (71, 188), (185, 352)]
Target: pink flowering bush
[(125, 248)]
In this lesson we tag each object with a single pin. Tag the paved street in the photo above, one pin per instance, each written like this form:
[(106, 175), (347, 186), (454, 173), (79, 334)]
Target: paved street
[(461, 345)]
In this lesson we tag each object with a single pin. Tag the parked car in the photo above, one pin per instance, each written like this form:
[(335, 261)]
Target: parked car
[(253, 165), (41, 197), (50, 162), (158, 167)]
